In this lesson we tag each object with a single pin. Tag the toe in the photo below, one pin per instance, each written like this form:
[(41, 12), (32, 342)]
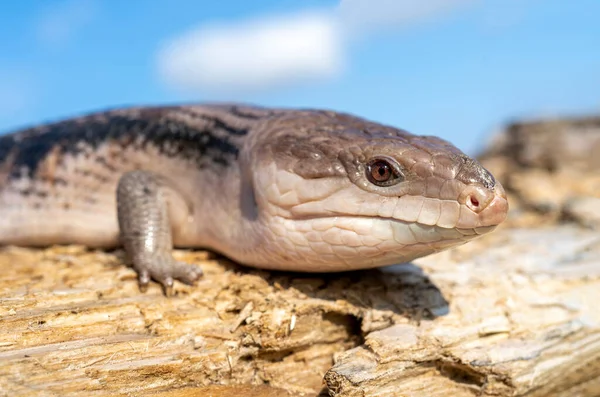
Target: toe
[(186, 273)]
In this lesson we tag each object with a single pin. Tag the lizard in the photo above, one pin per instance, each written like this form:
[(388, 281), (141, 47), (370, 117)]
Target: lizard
[(305, 190)]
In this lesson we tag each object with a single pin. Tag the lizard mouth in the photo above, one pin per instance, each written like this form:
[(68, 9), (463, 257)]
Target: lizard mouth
[(385, 232)]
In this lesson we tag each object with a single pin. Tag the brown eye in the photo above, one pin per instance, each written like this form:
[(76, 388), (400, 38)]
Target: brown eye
[(381, 172)]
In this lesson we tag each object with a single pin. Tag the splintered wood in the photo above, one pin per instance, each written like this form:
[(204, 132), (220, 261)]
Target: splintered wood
[(73, 322), (515, 313), (523, 320)]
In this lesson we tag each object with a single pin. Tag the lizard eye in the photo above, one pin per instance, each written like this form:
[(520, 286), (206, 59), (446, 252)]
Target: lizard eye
[(383, 172)]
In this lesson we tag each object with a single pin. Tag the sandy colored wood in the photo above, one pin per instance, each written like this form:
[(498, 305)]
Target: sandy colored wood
[(227, 391), (523, 320), (509, 315), (73, 321)]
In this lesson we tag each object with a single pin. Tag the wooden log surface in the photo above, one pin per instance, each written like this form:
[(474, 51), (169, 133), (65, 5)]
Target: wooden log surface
[(523, 320), (513, 314), (73, 320)]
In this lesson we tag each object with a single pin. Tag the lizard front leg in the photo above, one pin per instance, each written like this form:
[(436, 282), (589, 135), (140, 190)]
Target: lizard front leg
[(144, 202)]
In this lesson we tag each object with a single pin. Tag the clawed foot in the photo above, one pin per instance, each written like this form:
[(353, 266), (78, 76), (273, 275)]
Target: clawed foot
[(165, 270)]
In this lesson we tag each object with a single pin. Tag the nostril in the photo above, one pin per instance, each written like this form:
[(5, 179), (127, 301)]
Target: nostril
[(476, 198), (473, 202)]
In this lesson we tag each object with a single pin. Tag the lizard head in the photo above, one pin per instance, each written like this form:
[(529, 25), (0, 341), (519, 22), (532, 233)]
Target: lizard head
[(336, 192)]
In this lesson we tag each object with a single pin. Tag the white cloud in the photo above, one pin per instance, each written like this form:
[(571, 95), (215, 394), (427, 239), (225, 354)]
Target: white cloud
[(364, 16), (253, 55), (269, 52), (60, 23)]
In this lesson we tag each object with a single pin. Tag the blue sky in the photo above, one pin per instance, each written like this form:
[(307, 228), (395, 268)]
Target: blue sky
[(458, 69)]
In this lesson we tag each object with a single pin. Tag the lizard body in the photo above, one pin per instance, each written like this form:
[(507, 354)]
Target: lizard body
[(303, 190)]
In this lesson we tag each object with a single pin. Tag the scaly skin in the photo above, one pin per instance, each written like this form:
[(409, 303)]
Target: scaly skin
[(302, 190)]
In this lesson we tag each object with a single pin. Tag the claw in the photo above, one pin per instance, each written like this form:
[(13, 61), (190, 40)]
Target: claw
[(168, 290), (167, 285), (143, 280)]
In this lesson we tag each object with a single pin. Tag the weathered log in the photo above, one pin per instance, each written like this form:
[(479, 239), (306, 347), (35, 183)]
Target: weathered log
[(73, 322), (512, 314), (523, 320)]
